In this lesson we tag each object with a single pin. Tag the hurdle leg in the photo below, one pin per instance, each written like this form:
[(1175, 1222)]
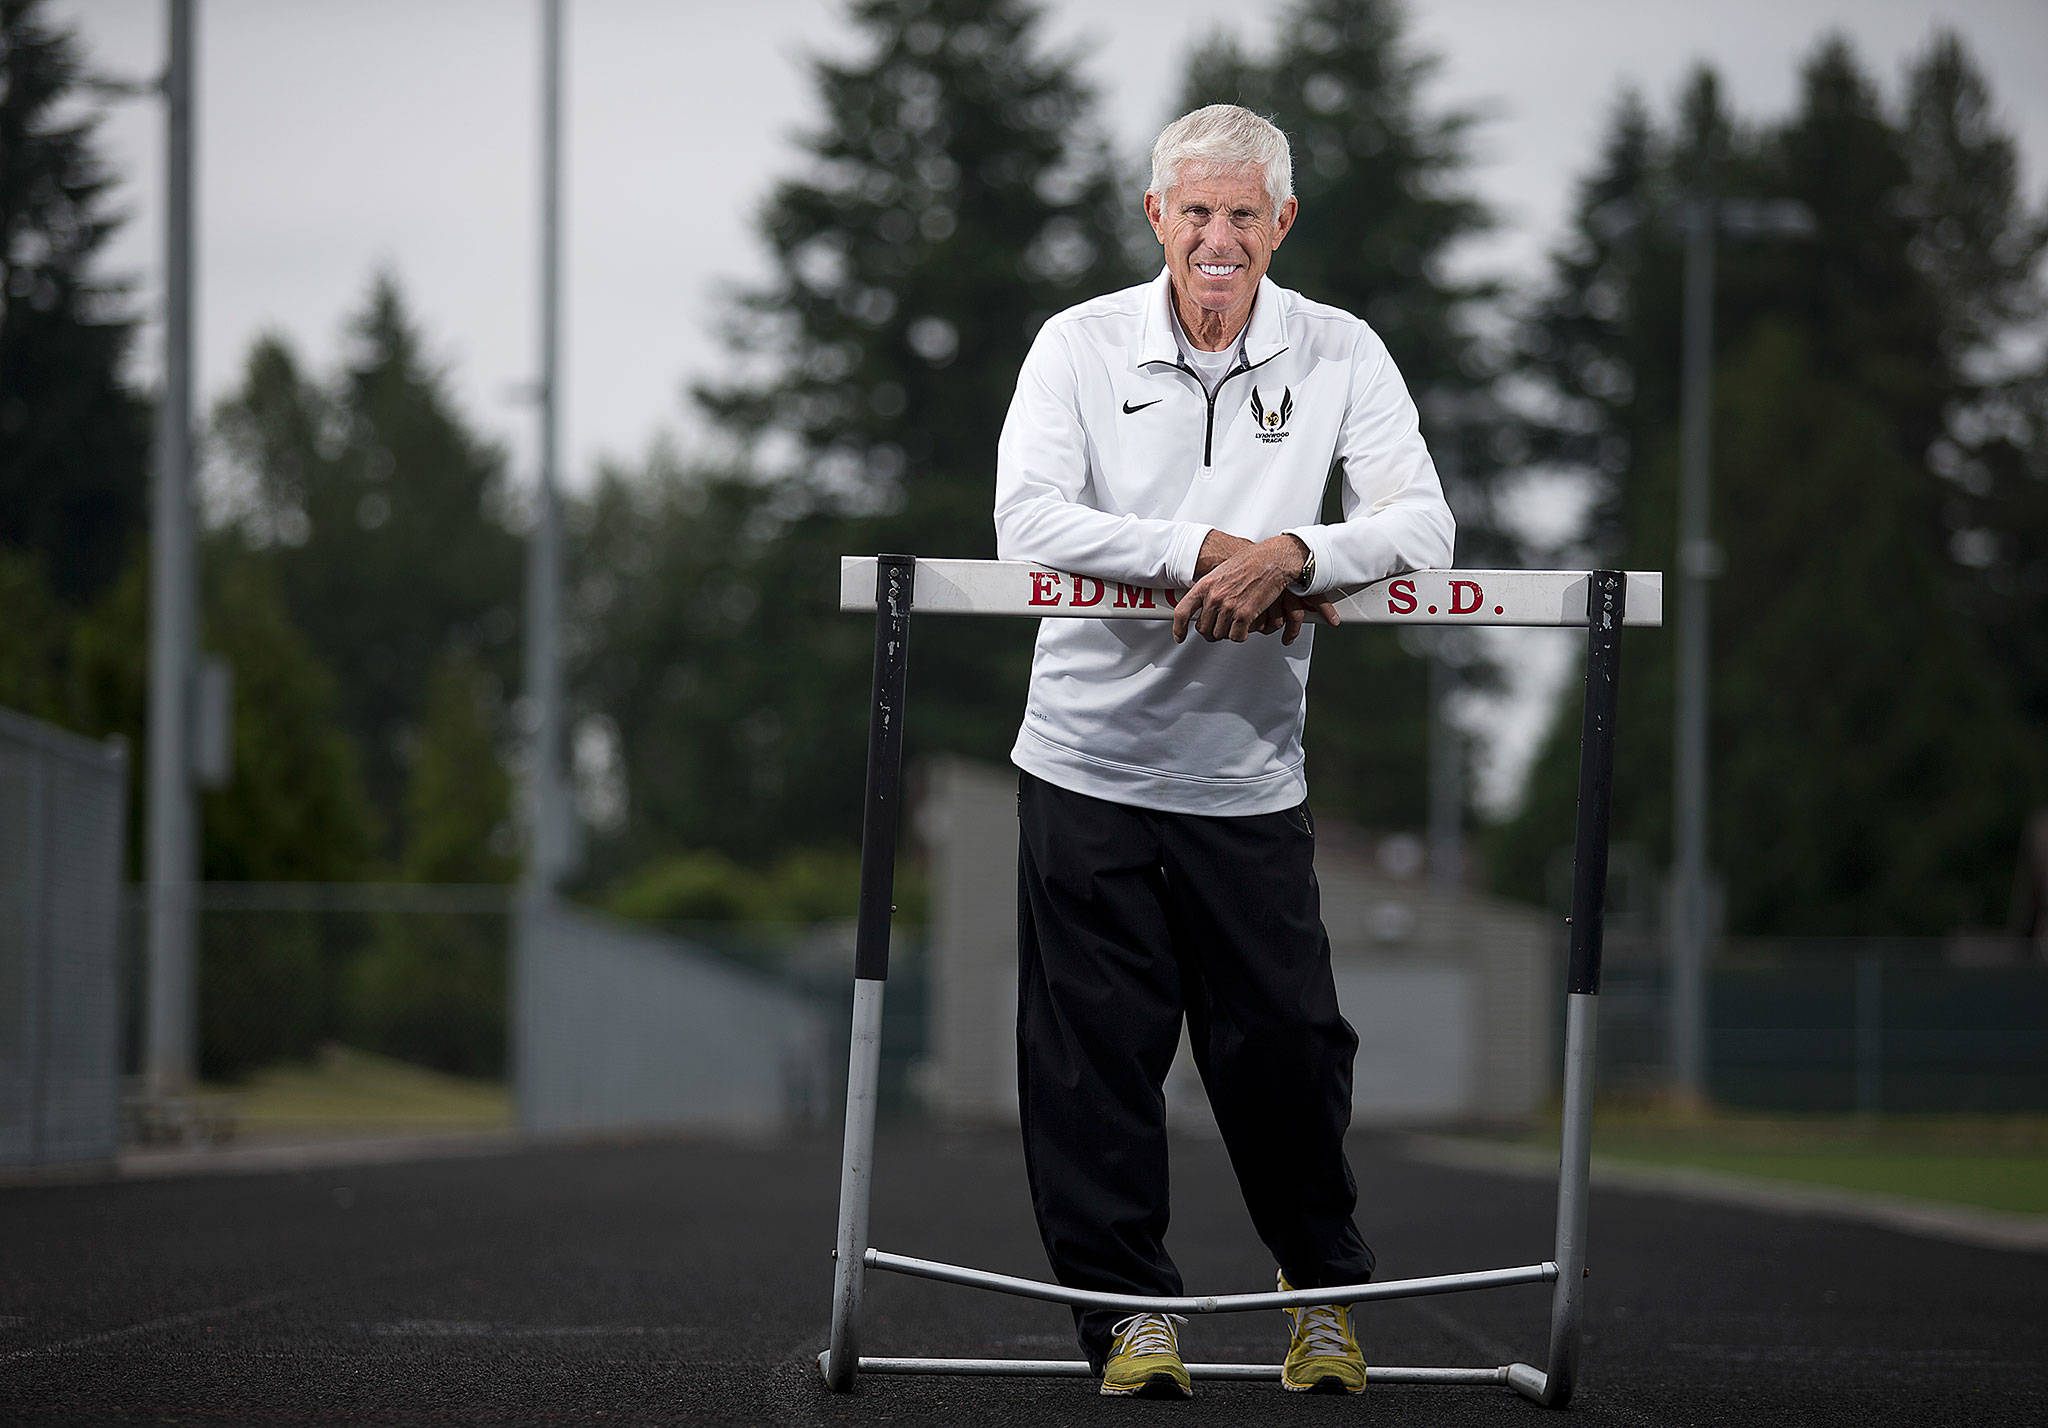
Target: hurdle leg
[(894, 578), (1606, 599)]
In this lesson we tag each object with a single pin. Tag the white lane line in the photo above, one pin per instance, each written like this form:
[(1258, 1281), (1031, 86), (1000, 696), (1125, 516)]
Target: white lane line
[(228, 1311), (473, 1329), (168, 1321)]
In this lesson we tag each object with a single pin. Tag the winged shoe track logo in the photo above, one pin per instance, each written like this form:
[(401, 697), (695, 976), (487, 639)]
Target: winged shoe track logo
[(1272, 425)]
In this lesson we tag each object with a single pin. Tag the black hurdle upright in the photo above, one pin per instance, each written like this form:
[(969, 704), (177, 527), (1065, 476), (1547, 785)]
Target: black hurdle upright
[(895, 578), (1606, 604), (1550, 1386)]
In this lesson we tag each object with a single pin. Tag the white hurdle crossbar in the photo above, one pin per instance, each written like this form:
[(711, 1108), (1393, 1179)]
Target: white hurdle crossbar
[(895, 586)]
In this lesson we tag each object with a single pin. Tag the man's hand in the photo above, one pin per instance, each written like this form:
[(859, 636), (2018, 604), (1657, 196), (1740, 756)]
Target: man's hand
[(1293, 611), (1217, 547), (1239, 593)]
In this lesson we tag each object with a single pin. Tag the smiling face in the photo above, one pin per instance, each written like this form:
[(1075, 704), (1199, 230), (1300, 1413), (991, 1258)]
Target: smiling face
[(1219, 231)]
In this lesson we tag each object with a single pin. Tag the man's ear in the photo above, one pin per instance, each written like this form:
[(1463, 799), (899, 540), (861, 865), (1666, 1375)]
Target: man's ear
[(1155, 214), (1283, 222)]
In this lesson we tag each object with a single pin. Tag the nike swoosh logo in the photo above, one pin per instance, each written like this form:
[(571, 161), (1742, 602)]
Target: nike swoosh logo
[(1128, 408)]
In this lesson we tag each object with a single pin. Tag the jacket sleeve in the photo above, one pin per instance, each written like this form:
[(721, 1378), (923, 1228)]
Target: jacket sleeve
[(1042, 488), (1395, 517)]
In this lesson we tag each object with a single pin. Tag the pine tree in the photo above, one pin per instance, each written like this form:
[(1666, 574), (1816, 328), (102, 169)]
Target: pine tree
[(1384, 198), (383, 518), (954, 203), (1872, 765), (459, 803), (1977, 243), (74, 442), (953, 198)]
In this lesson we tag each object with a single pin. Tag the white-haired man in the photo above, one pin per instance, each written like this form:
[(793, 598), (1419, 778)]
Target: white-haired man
[(1181, 434)]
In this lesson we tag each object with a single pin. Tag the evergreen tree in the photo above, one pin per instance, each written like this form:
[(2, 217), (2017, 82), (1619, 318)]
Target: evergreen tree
[(294, 808), (1384, 199), (1976, 242), (74, 442), (459, 803), (430, 986), (1872, 765), (953, 198), (954, 203), (669, 638), (382, 517)]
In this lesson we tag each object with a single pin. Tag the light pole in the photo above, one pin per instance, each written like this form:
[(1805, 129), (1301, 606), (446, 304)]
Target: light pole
[(173, 860), (548, 852), (1693, 902)]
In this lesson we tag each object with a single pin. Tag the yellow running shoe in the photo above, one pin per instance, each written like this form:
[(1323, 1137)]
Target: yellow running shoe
[(1144, 1359), (1323, 1356)]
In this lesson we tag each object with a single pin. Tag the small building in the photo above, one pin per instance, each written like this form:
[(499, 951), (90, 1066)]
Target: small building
[(1452, 992)]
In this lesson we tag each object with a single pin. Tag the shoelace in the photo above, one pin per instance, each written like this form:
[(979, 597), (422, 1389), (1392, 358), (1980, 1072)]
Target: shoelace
[(1323, 1329), (1149, 1333)]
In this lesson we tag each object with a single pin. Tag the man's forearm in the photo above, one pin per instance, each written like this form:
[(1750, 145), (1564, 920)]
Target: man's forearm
[(1219, 546)]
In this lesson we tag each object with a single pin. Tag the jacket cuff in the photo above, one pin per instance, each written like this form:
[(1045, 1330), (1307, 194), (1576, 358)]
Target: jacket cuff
[(1312, 537), (1184, 551)]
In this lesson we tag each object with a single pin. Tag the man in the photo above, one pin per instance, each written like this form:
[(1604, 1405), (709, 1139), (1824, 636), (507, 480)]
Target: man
[(1181, 434)]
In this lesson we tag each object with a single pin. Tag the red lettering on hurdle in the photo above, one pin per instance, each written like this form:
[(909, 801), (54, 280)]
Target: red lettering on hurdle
[(1401, 598), (1132, 597), (1458, 589), (1045, 587), (1082, 582)]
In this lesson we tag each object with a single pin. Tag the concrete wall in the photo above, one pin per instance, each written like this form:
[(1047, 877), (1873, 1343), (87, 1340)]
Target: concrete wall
[(620, 1028), (1452, 992)]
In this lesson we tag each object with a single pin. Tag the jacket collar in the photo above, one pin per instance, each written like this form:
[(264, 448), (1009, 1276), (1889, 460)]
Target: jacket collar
[(1263, 338)]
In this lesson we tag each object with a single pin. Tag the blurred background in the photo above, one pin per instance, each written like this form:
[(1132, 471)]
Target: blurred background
[(427, 715)]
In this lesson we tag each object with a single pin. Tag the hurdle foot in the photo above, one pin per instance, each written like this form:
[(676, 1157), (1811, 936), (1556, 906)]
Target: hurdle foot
[(1532, 1383), (842, 1384)]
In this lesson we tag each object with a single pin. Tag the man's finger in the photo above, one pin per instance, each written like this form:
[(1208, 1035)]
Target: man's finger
[(1328, 610), (1295, 615)]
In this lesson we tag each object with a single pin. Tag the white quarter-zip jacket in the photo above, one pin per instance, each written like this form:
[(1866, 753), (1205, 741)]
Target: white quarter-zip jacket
[(1115, 462)]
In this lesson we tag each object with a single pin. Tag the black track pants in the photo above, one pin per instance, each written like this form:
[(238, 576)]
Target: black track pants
[(1129, 919)]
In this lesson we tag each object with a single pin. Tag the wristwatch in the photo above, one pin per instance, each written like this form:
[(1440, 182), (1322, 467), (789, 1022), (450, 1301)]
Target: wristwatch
[(1308, 569)]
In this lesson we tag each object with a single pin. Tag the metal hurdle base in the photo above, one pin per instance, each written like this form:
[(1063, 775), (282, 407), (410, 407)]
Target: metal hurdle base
[(1525, 1378), (985, 587), (1503, 1377)]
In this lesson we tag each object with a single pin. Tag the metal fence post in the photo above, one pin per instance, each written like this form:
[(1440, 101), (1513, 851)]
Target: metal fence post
[(1869, 1035), (894, 579)]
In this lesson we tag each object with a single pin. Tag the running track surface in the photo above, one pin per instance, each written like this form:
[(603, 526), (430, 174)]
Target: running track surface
[(687, 1282)]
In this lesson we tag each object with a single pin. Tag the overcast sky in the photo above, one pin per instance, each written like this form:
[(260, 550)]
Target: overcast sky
[(339, 137)]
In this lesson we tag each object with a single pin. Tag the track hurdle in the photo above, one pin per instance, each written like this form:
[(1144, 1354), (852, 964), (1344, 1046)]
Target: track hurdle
[(895, 586)]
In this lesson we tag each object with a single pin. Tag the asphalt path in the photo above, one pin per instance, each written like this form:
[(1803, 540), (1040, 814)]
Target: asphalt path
[(688, 1283)]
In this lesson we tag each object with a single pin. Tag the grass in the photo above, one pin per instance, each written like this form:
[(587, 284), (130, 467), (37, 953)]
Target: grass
[(345, 1091), (1993, 1162)]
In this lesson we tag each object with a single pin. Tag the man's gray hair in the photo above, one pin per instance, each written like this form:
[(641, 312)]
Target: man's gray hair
[(1224, 136)]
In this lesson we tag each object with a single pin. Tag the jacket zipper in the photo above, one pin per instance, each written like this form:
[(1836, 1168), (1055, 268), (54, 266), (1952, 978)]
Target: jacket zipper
[(1209, 429)]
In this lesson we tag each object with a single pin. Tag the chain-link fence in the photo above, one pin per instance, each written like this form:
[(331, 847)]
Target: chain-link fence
[(414, 973), (63, 818), (355, 1007), (1891, 1025)]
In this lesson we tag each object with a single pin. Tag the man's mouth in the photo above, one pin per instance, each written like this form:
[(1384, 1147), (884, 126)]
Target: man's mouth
[(1218, 270)]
